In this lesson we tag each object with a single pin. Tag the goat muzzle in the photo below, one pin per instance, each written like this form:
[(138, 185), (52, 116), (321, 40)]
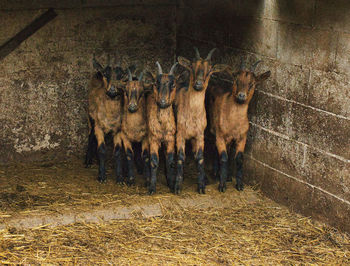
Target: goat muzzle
[(132, 108), (241, 98), (198, 86)]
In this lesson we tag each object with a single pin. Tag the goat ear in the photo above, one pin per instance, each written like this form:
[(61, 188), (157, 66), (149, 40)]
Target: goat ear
[(263, 76), (121, 85), (184, 62), (219, 68), (99, 75), (119, 72), (149, 77), (97, 65)]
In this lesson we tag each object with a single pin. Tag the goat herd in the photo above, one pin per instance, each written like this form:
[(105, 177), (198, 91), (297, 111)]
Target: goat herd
[(160, 108)]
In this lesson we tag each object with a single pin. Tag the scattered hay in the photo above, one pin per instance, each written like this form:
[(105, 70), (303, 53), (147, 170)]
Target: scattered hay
[(250, 230), (260, 234)]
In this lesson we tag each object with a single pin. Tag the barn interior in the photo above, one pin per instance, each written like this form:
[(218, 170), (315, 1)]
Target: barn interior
[(296, 162)]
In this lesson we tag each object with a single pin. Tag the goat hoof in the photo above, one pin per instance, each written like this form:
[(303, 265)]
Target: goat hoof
[(102, 178), (102, 181), (88, 163), (201, 188), (240, 186), (120, 180), (178, 185), (151, 190), (130, 181), (177, 190), (172, 188), (222, 187)]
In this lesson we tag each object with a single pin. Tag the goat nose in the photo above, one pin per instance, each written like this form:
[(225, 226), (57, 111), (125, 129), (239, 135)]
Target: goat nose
[(241, 96), (132, 107)]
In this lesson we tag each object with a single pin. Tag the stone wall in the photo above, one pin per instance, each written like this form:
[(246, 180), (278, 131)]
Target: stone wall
[(299, 141), (43, 83)]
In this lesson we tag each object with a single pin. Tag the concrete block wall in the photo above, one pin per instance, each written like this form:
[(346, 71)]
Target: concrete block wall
[(299, 141), (43, 83)]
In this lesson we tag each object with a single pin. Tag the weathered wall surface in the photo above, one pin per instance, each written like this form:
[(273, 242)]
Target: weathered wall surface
[(43, 83), (299, 140)]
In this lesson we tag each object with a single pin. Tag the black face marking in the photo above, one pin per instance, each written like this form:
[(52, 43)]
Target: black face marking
[(107, 72), (119, 73), (165, 85)]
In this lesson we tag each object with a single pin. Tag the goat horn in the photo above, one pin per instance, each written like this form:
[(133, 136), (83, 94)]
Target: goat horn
[(210, 54), (173, 69), (242, 67), (108, 60), (140, 76), (252, 69), (116, 61), (197, 53), (160, 71), (129, 74)]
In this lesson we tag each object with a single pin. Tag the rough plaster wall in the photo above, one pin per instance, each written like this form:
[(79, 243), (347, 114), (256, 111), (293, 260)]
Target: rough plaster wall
[(43, 83), (299, 141)]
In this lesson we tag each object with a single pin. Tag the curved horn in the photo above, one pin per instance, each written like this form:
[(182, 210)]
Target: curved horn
[(252, 69), (160, 71), (140, 76), (108, 60), (116, 61), (197, 53), (173, 69), (210, 54), (129, 74), (242, 67)]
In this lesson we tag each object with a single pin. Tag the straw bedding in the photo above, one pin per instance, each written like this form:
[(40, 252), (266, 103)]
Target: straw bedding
[(251, 232)]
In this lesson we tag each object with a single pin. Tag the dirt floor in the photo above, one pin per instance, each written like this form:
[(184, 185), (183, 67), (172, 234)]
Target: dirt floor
[(132, 227)]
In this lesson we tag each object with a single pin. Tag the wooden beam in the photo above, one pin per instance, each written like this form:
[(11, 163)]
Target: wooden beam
[(24, 34)]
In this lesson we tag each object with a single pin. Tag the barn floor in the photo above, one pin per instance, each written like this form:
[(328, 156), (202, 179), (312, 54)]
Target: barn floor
[(231, 227)]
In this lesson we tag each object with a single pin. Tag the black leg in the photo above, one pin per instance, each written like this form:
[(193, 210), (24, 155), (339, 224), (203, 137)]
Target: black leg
[(130, 162), (223, 171), (239, 174), (101, 158), (154, 168), (231, 161), (91, 149), (146, 167), (180, 171), (216, 165), (118, 164), (170, 171), (201, 172), (137, 158)]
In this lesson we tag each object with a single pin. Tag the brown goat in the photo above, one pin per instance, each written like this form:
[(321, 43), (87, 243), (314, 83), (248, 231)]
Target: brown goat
[(105, 112), (161, 124), (134, 125), (229, 119), (191, 115)]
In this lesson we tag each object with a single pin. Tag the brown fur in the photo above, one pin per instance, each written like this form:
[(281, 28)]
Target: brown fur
[(134, 125), (229, 120), (190, 107), (106, 112), (161, 122)]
